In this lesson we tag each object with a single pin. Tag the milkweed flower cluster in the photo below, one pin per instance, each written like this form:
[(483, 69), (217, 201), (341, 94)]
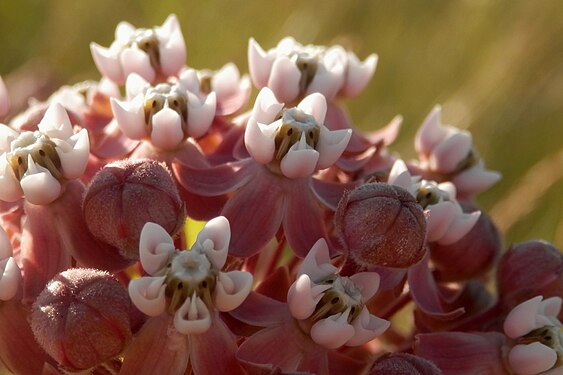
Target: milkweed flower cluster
[(322, 250)]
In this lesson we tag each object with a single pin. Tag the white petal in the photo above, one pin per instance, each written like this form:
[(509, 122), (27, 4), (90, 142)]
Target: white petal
[(214, 239), (302, 297), (366, 328), (55, 122), (74, 159), (400, 176), (367, 283), (439, 219), (358, 75), (232, 289), (284, 79), (108, 63), (167, 131), (10, 279), (475, 180), (200, 114), (10, 189), (460, 226), (331, 145), (124, 30), (259, 64), (522, 319), (155, 248), (447, 154), (189, 81), (317, 262), (225, 82), (300, 161), (4, 99), (170, 25), (550, 307), (333, 332), (266, 107), (7, 135), (173, 51), (315, 105), (327, 82), (135, 85), (260, 140), (430, 133), (134, 60), (531, 359), (130, 116), (192, 317), (147, 293), (38, 185)]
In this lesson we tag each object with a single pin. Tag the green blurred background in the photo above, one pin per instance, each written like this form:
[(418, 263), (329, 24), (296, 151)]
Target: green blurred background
[(495, 66)]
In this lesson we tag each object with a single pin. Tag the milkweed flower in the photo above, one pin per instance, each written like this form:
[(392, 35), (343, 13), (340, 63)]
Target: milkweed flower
[(4, 99), (538, 334), (151, 53), (189, 289), (37, 164), (292, 70)]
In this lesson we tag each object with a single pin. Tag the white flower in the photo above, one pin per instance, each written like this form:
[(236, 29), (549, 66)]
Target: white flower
[(335, 304), (147, 52), (538, 333), (293, 141), (10, 274), (35, 164), (188, 284), (292, 70)]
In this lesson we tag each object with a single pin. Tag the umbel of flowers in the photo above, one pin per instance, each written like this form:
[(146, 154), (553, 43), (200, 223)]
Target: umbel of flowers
[(322, 252)]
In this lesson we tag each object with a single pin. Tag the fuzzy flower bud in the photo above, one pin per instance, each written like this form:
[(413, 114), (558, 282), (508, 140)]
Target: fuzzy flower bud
[(381, 225), (82, 318), (125, 195)]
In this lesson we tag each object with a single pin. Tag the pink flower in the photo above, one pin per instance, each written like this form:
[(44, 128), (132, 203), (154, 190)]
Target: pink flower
[(37, 164), (538, 334), (450, 153), (293, 71), (151, 53), (446, 221)]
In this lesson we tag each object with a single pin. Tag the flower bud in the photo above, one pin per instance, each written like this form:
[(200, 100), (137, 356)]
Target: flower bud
[(125, 195), (81, 318), (403, 364), (381, 225)]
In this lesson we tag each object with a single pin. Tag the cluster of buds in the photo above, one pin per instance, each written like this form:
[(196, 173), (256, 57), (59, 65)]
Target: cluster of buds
[(315, 235)]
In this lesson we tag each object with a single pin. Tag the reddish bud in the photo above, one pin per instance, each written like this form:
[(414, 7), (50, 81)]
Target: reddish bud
[(381, 225), (124, 196), (403, 364), (81, 318)]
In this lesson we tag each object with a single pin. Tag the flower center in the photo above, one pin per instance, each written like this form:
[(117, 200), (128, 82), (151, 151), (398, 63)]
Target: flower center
[(429, 193), (295, 123), (169, 95), (147, 41), (550, 336), (41, 149), (342, 295), (189, 272), (469, 161), (307, 63)]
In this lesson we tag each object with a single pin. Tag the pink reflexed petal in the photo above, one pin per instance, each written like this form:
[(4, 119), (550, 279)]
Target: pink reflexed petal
[(74, 159), (261, 311), (10, 188), (460, 226), (147, 293), (124, 30), (10, 278), (284, 79), (192, 317), (329, 193), (259, 64), (331, 145), (200, 114), (315, 105), (130, 116), (266, 107), (113, 144), (135, 85), (388, 133), (303, 296), (531, 359), (303, 222), (440, 218), (156, 349), (167, 131), (358, 75), (214, 239), (475, 180), (107, 62), (7, 135), (232, 289), (430, 133), (214, 351), (447, 155), (317, 262), (367, 282), (4, 99), (38, 185), (400, 176), (522, 319), (366, 328), (155, 248), (299, 161), (55, 122), (173, 51), (333, 332), (134, 60), (5, 245), (260, 141)]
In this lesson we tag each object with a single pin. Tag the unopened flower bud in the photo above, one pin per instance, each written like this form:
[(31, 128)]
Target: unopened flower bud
[(403, 364), (381, 225), (81, 318), (125, 195)]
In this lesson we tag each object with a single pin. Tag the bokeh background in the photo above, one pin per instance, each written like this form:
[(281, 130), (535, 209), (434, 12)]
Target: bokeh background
[(495, 66)]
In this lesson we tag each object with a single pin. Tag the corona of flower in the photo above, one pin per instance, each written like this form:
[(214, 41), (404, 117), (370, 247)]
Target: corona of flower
[(37, 164), (151, 53), (10, 274)]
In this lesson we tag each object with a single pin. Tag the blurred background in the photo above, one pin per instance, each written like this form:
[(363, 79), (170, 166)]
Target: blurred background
[(495, 66)]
